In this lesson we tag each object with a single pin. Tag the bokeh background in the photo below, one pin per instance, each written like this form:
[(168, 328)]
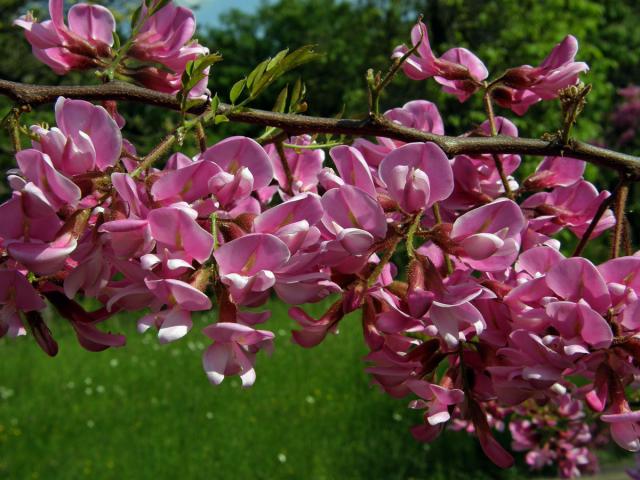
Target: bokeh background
[(148, 412)]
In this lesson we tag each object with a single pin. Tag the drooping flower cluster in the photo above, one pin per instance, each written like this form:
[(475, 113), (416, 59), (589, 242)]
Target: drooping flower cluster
[(462, 73), (468, 304), (156, 56)]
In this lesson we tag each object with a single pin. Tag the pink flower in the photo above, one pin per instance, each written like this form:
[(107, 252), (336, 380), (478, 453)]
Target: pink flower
[(458, 70), (163, 34), (417, 175), (293, 222), (246, 265), (556, 172), (86, 138), (176, 229), (527, 85), (303, 164), (16, 295), (30, 232), (165, 37), (38, 168), (81, 45), (233, 351), (489, 236), (418, 114), (314, 331), (625, 427), (573, 206), (353, 218)]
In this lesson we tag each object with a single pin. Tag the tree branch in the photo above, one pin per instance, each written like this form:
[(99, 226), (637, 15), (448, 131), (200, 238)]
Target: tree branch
[(627, 165)]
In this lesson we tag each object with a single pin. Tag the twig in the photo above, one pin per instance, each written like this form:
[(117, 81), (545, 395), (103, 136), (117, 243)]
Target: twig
[(201, 136), (618, 209), (488, 105), (596, 219)]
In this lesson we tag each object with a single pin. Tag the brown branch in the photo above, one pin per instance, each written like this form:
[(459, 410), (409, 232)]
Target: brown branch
[(620, 204), (596, 218), (629, 166)]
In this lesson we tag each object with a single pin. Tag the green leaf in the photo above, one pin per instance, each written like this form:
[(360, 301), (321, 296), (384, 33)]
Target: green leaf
[(277, 59), (290, 61), (281, 101), (236, 90), (215, 103), (296, 93), (195, 71), (116, 41), (257, 73), (135, 17), (221, 119)]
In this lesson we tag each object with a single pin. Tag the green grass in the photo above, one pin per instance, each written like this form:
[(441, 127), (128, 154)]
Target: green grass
[(148, 412)]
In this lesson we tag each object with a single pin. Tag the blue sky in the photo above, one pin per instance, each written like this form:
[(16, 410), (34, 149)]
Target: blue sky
[(209, 11)]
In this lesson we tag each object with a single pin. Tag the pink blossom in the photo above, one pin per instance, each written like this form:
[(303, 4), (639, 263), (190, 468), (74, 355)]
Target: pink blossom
[(233, 351), (86, 138), (489, 236), (417, 175), (83, 44), (527, 85), (246, 266), (458, 70)]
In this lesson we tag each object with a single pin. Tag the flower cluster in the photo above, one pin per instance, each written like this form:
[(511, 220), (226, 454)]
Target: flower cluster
[(468, 304), (462, 73), (156, 55)]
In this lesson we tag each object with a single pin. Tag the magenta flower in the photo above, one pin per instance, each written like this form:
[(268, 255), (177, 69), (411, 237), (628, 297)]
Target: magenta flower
[(580, 320), (83, 44), (458, 70), (16, 295), (176, 229), (625, 427), (439, 400), (418, 114), (489, 236), (87, 138), (233, 351), (527, 85), (246, 266), (556, 172), (165, 38), (573, 206), (58, 189), (417, 175), (304, 164), (353, 218)]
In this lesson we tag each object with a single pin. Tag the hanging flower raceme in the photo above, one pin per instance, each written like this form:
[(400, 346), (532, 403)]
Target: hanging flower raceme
[(458, 70), (462, 74), (85, 43)]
